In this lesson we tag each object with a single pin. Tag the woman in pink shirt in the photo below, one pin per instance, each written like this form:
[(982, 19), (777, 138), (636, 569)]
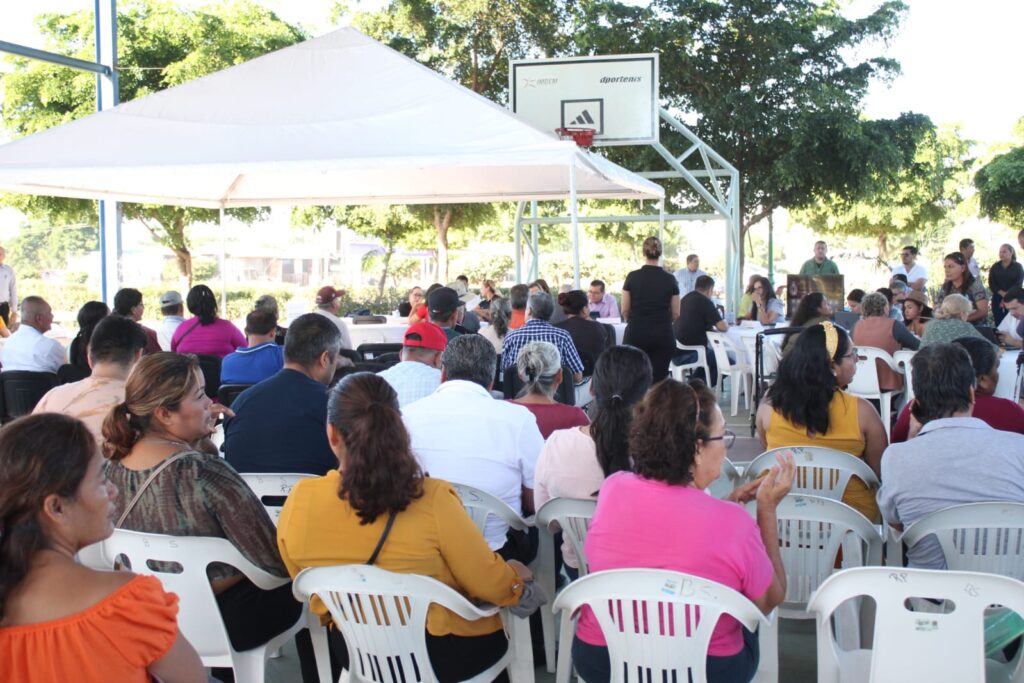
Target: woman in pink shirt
[(205, 334), (659, 516)]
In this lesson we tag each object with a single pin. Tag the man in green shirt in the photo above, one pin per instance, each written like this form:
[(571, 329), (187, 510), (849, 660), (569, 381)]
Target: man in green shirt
[(820, 264)]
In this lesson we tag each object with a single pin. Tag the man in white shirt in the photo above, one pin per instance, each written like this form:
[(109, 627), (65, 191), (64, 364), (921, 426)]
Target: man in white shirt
[(917, 276), (418, 374), (463, 434), (328, 304), (687, 277), (27, 349), (1012, 328), (172, 308), (967, 249), (8, 291)]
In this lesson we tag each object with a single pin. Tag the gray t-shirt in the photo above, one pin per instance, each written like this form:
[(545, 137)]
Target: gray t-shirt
[(952, 461)]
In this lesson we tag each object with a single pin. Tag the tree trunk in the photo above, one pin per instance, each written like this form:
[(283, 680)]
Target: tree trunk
[(883, 249), (384, 275), (184, 257), (442, 221)]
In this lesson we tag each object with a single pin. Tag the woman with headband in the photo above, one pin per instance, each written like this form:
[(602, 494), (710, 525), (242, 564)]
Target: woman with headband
[(806, 406), (678, 441)]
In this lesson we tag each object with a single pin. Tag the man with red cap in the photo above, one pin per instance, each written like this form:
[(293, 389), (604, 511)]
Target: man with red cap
[(328, 304), (419, 372)]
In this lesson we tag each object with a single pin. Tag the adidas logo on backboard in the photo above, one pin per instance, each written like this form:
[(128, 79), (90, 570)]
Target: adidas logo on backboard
[(584, 114)]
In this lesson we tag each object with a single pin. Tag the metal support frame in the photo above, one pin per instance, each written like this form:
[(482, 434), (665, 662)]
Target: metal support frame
[(716, 181), (107, 96)]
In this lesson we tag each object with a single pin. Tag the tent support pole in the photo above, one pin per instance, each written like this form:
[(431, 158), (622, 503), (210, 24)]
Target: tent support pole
[(518, 236), (223, 260), (107, 96), (574, 216), (534, 243)]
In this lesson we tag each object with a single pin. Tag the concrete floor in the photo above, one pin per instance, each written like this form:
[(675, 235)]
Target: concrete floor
[(797, 648)]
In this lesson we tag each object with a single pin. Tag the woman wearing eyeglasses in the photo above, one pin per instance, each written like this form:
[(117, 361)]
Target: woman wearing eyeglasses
[(960, 281), (678, 441), (806, 406)]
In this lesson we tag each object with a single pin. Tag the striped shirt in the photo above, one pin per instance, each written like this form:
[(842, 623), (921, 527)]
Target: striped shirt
[(540, 330)]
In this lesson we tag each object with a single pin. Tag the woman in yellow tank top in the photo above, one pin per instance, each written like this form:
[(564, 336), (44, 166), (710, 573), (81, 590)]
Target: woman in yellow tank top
[(806, 406)]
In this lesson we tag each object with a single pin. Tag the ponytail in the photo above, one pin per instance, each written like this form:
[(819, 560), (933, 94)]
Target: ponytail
[(622, 375), (121, 431)]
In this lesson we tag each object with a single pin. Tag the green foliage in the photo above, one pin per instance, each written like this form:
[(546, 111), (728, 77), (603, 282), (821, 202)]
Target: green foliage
[(1000, 185), (915, 201), (160, 45), (477, 269), (42, 247)]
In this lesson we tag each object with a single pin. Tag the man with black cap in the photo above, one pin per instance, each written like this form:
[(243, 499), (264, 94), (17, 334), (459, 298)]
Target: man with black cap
[(328, 303), (443, 308), (419, 372)]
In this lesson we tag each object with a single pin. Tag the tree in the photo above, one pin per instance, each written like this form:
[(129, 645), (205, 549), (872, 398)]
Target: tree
[(1000, 184), (159, 46), (776, 87), (40, 247), (915, 201)]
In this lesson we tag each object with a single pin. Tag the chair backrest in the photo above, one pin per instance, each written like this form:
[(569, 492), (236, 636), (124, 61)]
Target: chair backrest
[(720, 347), (23, 389), (865, 382), (657, 623), (68, 373), (573, 515), (480, 505), (210, 367), (373, 350), (511, 385), (368, 319), (915, 645), (812, 530), (391, 357), (180, 563), (351, 354), (902, 359), (227, 393), (382, 616), (272, 488), (981, 537), (820, 471), (727, 480)]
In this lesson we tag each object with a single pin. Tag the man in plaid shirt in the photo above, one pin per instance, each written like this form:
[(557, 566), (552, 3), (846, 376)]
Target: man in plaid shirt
[(537, 328)]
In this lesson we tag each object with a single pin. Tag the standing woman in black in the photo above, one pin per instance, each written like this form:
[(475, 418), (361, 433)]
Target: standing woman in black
[(1004, 275), (650, 303)]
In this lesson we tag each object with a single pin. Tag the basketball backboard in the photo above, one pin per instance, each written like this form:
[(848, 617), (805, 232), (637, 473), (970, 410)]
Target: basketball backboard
[(616, 96)]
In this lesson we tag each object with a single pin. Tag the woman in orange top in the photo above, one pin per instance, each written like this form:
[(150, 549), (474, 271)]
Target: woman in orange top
[(340, 518), (806, 406), (60, 621)]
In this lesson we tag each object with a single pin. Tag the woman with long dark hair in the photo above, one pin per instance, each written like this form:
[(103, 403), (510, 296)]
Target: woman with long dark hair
[(575, 462), (59, 620), (500, 314), (659, 516), (765, 307), (959, 280), (89, 315), (806, 406), (813, 309), (206, 333), (380, 496), (650, 304), (916, 312)]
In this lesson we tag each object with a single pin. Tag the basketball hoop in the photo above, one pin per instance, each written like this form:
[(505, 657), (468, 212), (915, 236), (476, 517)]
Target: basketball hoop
[(583, 137)]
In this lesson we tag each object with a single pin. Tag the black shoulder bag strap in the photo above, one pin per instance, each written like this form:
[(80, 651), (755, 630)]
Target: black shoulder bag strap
[(383, 537), (187, 332)]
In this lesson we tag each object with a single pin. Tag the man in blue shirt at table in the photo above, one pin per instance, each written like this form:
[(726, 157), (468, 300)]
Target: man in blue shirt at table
[(259, 360), (280, 425)]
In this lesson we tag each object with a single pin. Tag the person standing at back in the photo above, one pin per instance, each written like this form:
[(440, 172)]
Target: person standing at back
[(687, 277), (650, 304), (279, 424), (916, 275), (821, 264), (8, 292)]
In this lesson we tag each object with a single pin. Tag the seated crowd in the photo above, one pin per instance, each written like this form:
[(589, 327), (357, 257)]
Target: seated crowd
[(130, 447)]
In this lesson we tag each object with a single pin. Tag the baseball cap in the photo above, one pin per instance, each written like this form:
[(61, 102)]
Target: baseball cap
[(427, 336), (460, 289), (171, 298), (326, 294), (443, 300)]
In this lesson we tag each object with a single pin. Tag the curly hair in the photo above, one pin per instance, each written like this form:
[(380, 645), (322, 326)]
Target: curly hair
[(805, 383), (381, 474), (667, 425)]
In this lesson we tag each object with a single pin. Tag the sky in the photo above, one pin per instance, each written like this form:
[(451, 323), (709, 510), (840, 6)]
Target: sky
[(959, 59)]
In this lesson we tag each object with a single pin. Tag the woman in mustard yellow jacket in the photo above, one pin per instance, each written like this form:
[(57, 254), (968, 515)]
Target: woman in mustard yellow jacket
[(340, 518)]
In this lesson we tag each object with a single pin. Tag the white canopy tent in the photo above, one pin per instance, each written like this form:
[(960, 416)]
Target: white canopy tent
[(339, 119)]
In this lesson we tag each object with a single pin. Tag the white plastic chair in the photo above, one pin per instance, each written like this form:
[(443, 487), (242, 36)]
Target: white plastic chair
[(383, 617), (740, 374), (650, 620), (573, 517), (902, 359), (198, 615), (865, 381), (821, 472), (981, 537), (272, 485), (812, 530), (726, 482), (677, 371), (914, 645)]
